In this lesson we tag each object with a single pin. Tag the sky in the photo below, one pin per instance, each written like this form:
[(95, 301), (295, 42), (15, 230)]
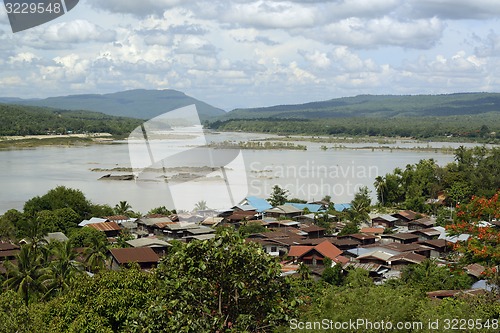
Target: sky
[(245, 53)]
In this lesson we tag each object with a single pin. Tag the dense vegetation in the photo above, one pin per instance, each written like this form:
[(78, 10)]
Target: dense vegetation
[(474, 172), (383, 106), (485, 127), (25, 120), (229, 285)]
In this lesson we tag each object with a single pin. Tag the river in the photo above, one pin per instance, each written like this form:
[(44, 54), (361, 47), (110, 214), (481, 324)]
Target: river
[(308, 175)]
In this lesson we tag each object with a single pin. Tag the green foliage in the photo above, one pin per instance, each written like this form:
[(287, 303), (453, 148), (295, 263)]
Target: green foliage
[(349, 229), (83, 237), (474, 172), (278, 197), (360, 205), (332, 274), (25, 120), (251, 228), (14, 314), (162, 210), (108, 302), (59, 198), (428, 276), (219, 285)]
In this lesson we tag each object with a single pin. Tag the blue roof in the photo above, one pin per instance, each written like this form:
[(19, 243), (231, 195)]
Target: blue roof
[(341, 207), (259, 203), (313, 208)]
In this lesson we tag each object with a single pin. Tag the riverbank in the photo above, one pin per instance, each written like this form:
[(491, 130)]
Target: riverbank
[(65, 140)]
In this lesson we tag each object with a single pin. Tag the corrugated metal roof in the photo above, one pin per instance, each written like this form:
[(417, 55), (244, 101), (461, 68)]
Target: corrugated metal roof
[(139, 255), (105, 226)]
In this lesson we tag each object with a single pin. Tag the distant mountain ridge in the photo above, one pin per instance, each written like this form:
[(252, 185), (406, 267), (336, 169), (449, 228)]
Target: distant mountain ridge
[(384, 106), (139, 103)]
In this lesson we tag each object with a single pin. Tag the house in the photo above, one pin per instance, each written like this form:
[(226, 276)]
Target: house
[(362, 238), (427, 234), (239, 216), (399, 261), (212, 221), (386, 221), (118, 219), (287, 224), (405, 216), (159, 246), (202, 237), (315, 255), (403, 238), (375, 231), (91, 221), (423, 223), (314, 231), (271, 246), (179, 230), (312, 208), (475, 270), (259, 204), (8, 251), (375, 271), (313, 217), (285, 211), (111, 229), (341, 207), (148, 224), (421, 249), (56, 236), (439, 247), (144, 256), (345, 243)]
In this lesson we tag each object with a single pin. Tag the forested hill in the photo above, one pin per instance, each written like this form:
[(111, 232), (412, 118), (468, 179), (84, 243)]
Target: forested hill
[(140, 103), (28, 120), (385, 106)]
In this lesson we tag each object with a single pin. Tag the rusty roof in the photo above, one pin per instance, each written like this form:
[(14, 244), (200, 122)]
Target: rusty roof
[(475, 270), (403, 235), (134, 254), (312, 228), (407, 214), (298, 250), (369, 230), (116, 217), (8, 246), (409, 257), (105, 226)]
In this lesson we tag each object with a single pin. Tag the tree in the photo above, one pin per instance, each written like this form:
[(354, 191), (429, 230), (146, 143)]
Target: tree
[(484, 242), (278, 197), (349, 229), (62, 270), (220, 285), (201, 205), (332, 274), (123, 208), (25, 276), (251, 228), (96, 254), (162, 210), (58, 198), (428, 276), (381, 188), (360, 205)]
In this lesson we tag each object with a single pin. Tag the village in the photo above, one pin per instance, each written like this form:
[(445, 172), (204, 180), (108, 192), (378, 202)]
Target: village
[(384, 245)]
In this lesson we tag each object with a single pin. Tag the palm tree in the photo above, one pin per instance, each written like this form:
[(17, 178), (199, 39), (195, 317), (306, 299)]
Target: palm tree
[(63, 269), (381, 187), (25, 277), (201, 205), (96, 255), (123, 208)]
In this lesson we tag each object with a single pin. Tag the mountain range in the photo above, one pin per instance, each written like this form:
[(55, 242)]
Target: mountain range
[(140, 103), (146, 104)]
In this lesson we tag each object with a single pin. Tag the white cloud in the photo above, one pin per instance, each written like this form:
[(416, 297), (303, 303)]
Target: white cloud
[(140, 8)]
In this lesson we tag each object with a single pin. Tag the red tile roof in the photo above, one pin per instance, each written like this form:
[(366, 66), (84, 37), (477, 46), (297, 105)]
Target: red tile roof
[(298, 250), (135, 254)]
